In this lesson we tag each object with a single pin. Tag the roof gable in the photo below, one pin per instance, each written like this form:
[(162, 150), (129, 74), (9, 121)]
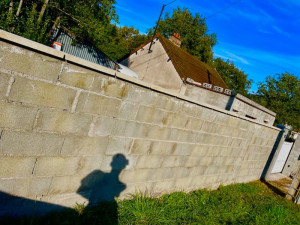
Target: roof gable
[(186, 65), (189, 66)]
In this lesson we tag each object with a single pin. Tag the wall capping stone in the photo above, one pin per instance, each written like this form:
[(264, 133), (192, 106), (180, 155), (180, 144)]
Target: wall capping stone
[(9, 37)]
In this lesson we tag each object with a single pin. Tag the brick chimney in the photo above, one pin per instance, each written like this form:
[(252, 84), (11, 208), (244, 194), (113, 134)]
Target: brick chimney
[(175, 38)]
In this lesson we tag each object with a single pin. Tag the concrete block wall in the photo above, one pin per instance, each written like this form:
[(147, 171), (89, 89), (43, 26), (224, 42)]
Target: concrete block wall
[(246, 107), (63, 120), (207, 96), (292, 162)]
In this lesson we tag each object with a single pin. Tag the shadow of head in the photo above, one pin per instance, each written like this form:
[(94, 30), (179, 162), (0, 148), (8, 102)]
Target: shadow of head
[(119, 162), (99, 185)]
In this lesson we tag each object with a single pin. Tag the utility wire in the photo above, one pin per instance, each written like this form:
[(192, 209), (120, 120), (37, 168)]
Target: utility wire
[(223, 9)]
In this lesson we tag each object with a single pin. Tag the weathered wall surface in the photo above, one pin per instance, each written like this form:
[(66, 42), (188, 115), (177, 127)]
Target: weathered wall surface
[(62, 126), (292, 163), (246, 107), (210, 97)]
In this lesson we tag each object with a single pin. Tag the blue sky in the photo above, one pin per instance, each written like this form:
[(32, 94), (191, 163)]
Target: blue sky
[(261, 37)]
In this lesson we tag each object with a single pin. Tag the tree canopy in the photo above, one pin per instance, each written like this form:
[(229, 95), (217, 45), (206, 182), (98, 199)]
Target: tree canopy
[(281, 93), (193, 31), (92, 21), (235, 78)]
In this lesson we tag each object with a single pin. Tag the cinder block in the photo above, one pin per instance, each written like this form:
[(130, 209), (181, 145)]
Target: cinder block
[(64, 122), (193, 123), (77, 76), (183, 149), (151, 115), (221, 118), (56, 166), (131, 129), (77, 145), (128, 110), (192, 161), (88, 164), (66, 184), (149, 161), (140, 175), (110, 87), (174, 161), (39, 93), (162, 148), (164, 173), (102, 126), (141, 95), (16, 166), (118, 145), (4, 82), (208, 114), (97, 104), (30, 143), (26, 187), (23, 61), (209, 127), (191, 109), (163, 186), (140, 147), (169, 103), (159, 133), (183, 183), (16, 116)]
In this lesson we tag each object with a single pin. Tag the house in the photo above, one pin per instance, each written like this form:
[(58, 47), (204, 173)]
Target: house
[(69, 44), (163, 63)]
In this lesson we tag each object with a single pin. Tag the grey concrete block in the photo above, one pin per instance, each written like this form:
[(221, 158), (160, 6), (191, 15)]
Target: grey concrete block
[(162, 148), (89, 146), (56, 166), (4, 82), (149, 161), (174, 161), (131, 129), (16, 166), (118, 145), (110, 87), (40, 93), (97, 104), (16, 116), (141, 147), (64, 122), (77, 76), (88, 164), (65, 184), (128, 110), (102, 126), (29, 187), (30, 143), (20, 60)]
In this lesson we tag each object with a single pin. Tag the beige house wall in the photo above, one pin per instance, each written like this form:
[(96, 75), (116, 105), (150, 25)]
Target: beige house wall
[(63, 120), (154, 67)]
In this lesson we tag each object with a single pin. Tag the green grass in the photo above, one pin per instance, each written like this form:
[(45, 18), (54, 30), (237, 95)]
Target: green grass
[(251, 203)]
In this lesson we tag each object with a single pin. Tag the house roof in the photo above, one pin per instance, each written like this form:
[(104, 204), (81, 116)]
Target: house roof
[(188, 66), (81, 49)]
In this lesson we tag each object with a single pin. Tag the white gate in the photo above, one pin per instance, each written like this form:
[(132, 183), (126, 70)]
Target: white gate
[(282, 157)]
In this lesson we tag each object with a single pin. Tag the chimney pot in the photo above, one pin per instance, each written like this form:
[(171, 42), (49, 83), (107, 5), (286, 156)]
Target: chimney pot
[(175, 39)]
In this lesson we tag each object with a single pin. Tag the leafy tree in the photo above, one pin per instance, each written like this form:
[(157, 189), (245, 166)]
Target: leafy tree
[(281, 93), (235, 78), (193, 31)]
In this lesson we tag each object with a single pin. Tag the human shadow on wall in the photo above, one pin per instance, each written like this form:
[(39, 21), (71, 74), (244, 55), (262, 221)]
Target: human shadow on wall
[(98, 187)]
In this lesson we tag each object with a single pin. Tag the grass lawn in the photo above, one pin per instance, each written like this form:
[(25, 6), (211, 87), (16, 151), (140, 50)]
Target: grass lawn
[(251, 203)]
